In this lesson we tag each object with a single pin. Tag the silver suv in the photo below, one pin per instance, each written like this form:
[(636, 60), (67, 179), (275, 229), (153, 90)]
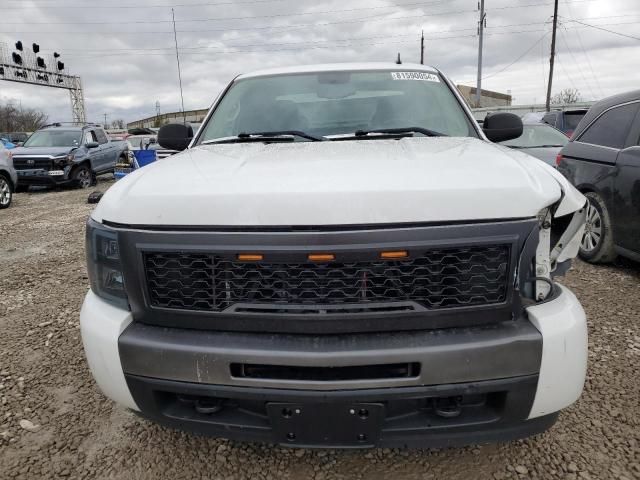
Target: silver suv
[(8, 177)]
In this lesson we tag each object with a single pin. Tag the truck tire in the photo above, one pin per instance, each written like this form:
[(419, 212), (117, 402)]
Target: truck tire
[(597, 241), (83, 176), (6, 191)]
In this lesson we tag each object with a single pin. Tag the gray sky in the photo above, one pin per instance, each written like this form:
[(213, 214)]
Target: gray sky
[(125, 55)]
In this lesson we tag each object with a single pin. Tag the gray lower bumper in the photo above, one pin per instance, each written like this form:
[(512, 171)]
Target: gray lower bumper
[(41, 177), (509, 349)]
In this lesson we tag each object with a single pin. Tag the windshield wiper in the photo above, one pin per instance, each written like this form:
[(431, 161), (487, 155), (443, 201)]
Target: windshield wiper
[(534, 146), (275, 136), (400, 131)]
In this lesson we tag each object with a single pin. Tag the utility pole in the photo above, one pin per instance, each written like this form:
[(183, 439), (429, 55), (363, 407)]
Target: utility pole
[(422, 49), (481, 24), (553, 54), (175, 38), (105, 120)]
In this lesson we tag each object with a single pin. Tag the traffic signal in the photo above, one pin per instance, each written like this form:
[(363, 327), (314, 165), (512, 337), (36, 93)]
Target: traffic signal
[(56, 55), (19, 45), (36, 48), (17, 58), (60, 65), (40, 62), (2, 71)]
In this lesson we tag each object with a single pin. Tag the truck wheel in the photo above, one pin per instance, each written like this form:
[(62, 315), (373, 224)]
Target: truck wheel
[(597, 241), (83, 176), (6, 192)]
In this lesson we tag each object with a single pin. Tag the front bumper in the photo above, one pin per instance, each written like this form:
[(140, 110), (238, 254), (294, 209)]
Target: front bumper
[(42, 177), (507, 381)]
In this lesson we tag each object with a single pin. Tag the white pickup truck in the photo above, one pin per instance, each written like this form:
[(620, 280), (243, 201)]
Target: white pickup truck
[(340, 257)]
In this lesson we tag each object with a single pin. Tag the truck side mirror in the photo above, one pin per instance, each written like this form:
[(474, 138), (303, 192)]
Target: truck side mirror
[(502, 126), (175, 136), (92, 145)]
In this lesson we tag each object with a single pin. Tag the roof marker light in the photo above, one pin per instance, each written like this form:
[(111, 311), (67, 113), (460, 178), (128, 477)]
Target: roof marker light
[(321, 257), (250, 257), (394, 254)]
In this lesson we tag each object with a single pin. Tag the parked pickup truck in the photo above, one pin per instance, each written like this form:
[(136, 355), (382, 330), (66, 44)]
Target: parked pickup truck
[(340, 257), (61, 154)]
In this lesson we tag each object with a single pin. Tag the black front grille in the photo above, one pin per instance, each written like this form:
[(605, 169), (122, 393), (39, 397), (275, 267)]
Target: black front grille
[(436, 279), (25, 163)]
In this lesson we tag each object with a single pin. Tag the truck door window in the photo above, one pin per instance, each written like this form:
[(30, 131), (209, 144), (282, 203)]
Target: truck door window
[(612, 127), (90, 137), (100, 135)]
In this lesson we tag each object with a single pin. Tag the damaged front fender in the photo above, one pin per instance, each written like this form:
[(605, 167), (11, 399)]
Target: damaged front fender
[(572, 200), (561, 229)]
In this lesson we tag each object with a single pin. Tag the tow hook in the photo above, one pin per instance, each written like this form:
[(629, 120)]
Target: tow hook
[(208, 406), (203, 405), (448, 407)]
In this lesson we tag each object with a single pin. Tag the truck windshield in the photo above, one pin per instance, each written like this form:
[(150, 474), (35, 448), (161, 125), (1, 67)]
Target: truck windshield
[(338, 103), (54, 138)]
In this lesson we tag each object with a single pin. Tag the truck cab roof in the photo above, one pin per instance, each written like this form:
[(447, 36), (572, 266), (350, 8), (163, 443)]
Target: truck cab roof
[(340, 67), (71, 126)]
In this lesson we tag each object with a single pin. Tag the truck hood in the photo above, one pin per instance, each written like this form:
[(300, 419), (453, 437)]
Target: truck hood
[(435, 179), (53, 151)]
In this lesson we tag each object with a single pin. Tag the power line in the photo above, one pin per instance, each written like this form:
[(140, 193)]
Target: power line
[(520, 57), (119, 7), (565, 71), (304, 48), (346, 42), (307, 25), (374, 18), (299, 26), (575, 61), (246, 17), (280, 15), (586, 56), (607, 30), (304, 45), (188, 5)]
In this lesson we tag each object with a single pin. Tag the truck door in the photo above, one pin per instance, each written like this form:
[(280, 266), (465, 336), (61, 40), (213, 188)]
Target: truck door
[(107, 151), (627, 190), (93, 153)]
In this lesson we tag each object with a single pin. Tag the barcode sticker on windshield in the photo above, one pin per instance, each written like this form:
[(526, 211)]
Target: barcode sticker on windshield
[(421, 76)]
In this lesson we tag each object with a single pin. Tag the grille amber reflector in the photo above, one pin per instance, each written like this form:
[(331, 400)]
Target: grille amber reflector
[(321, 257), (395, 254), (250, 257)]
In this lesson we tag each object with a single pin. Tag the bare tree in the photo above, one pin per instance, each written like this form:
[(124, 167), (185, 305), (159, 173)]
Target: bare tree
[(118, 123), (15, 119), (566, 96)]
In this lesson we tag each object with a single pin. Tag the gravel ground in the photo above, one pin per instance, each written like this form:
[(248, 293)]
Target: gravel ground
[(55, 423)]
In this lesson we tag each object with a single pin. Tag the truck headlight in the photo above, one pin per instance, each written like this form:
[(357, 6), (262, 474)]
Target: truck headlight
[(104, 265), (63, 161)]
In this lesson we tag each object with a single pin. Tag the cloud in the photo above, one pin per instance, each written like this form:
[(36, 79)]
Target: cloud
[(126, 59)]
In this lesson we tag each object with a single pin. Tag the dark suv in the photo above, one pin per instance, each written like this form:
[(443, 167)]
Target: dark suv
[(603, 161), (565, 121), (60, 154)]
